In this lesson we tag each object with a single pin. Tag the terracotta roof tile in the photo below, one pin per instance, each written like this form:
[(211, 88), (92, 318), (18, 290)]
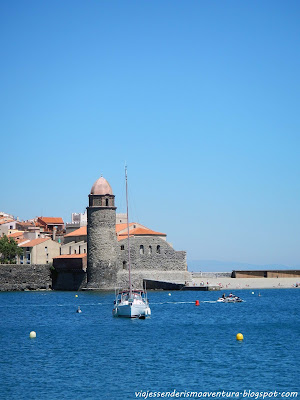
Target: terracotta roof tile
[(16, 234), (25, 224), (82, 231), (142, 231), (52, 220), (120, 227), (23, 241), (72, 256), (34, 242), (5, 221)]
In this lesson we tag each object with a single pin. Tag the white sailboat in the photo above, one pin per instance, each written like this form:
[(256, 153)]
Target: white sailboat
[(131, 303)]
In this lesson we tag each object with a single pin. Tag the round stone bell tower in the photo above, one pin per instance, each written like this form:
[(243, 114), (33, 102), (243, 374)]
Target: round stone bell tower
[(101, 236)]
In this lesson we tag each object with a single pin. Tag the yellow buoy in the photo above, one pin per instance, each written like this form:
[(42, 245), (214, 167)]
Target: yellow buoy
[(239, 336), (169, 294), (76, 295), (32, 335)]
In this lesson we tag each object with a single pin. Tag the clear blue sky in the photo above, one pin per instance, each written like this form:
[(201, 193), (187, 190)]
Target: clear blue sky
[(201, 98)]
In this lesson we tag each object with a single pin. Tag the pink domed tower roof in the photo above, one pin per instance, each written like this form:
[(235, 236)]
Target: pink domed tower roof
[(101, 187)]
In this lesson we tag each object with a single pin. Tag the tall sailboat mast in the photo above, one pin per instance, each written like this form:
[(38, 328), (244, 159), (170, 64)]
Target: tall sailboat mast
[(129, 265), (130, 303)]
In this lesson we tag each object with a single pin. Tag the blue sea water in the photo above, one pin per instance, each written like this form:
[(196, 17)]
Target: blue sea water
[(180, 348)]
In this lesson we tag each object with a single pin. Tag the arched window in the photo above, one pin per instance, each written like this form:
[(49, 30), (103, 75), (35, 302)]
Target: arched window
[(141, 249), (122, 247), (158, 249), (106, 202), (124, 265), (150, 249)]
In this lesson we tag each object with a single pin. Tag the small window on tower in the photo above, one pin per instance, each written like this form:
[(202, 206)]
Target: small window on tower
[(141, 249), (124, 265), (150, 249), (158, 249), (106, 202), (122, 247)]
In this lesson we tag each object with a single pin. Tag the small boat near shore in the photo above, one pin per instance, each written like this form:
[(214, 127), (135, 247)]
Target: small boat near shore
[(229, 299)]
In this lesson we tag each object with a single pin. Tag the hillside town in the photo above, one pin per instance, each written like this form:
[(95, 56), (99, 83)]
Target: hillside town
[(44, 239)]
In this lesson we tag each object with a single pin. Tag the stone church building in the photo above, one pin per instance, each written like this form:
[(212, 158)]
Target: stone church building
[(106, 263)]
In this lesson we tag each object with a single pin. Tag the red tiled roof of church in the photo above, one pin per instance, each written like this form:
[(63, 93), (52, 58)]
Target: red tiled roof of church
[(141, 231), (120, 227)]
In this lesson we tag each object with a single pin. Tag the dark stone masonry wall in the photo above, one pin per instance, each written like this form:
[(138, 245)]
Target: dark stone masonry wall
[(69, 274), (69, 280), (15, 277), (148, 261), (151, 253)]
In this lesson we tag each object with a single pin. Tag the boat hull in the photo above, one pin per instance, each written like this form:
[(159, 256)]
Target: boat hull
[(131, 311)]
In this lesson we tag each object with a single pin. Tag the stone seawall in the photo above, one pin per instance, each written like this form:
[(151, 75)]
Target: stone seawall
[(15, 277)]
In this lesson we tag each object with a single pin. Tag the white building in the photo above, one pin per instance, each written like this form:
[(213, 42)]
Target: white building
[(7, 226), (79, 218)]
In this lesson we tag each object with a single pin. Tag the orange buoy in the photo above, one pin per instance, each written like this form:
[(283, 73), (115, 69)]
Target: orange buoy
[(197, 303)]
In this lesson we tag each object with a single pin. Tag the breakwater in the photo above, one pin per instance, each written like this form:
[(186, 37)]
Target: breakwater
[(212, 275)]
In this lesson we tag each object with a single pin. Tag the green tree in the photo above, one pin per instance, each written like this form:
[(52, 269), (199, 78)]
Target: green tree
[(9, 249)]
